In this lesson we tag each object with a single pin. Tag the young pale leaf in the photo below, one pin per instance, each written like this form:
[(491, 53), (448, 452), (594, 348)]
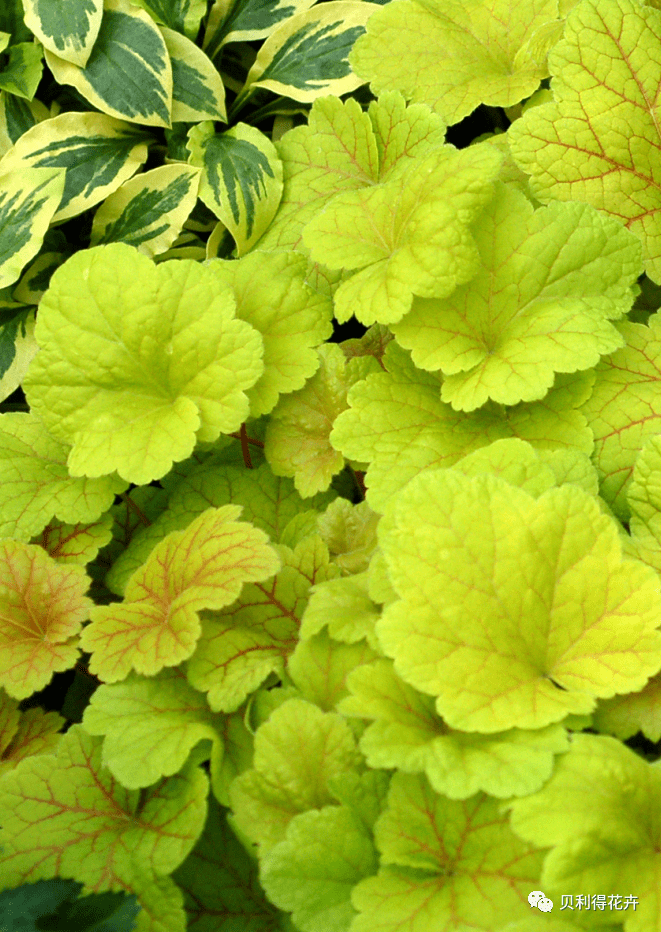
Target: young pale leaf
[(42, 608), (598, 142), (176, 361), (548, 283), (307, 56), (513, 611), (96, 152), (158, 625), (128, 73), (29, 200), (68, 30), (241, 178), (22, 73), (454, 55), (246, 20), (198, 92), (149, 210)]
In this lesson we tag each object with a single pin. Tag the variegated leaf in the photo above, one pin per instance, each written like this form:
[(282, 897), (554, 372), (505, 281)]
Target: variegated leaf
[(241, 178), (246, 20), (68, 29), (307, 57), (17, 116), (28, 202), (97, 152), (36, 277), (148, 211), (186, 246), (22, 73), (128, 75), (18, 346), (183, 16), (197, 90)]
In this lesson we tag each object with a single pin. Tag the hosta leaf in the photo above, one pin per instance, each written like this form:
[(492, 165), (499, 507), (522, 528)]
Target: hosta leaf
[(548, 283), (68, 29), (28, 202), (241, 178), (96, 152), (198, 92), (164, 387), (202, 567), (598, 142), (307, 56), (128, 74), (149, 210), (245, 20), (455, 55)]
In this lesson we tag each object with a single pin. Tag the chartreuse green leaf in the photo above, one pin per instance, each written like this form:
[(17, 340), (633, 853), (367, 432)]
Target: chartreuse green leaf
[(149, 210), (68, 30), (240, 647), (397, 423), (245, 20), (96, 152), (297, 433), (284, 781), (42, 608), (128, 74), (28, 202), (35, 485), (407, 734), (598, 142), (17, 116), (454, 55), (344, 606), (182, 15), (22, 72), (445, 864), (175, 361), (408, 235), (65, 815), (26, 734), (241, 178), (350, 533), (158, 625), (513, 611), (644, 499), (607, 843), (548, 283), (319, 668), (198, 92), (307, 55), (623, 409)]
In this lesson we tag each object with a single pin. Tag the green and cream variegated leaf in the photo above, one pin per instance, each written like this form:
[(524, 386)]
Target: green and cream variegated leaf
[(307, 57), (22, 73), (128, 75), (18, 346), (97, 152), (28, 201), (241, 178), (246, 20), (68, 29), (184, 16), (197, 89), (149, 210), (17, 116)]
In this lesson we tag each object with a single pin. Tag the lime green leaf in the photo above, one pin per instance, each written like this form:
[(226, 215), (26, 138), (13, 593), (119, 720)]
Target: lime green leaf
[(644, 498), (22, 72), (513, 611), (319, 668), (408, 235), (176, 361), (28, 202), (307, 56), (312, 872), (128, 73), (297, 433), (35, 484), (445, 864), (198, 92), (272, 296), (245, 20), (66, 815), (407, 734), (68, 30), (350, 533), (96, 152), (283, 781), (610, 843), (345, 607), (549, 281), (75, 543), (26, 734), (182, 15), (158, 624), (149, 210), (241, 646), (598, 142), (454, 55), (241, 178), (625, 716)]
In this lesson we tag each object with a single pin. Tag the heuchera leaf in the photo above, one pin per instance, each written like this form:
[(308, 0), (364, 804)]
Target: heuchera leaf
[(137, 361), (549, 281), (319, 668), (598, 142), (25, 734), (513, 611)]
